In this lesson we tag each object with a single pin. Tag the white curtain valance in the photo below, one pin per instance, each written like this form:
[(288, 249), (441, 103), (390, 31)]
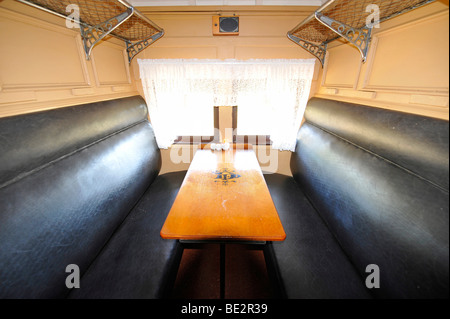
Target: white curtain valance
[(181, 94)]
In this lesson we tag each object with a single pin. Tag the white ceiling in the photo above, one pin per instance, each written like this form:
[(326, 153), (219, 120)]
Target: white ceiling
[(142, 3)]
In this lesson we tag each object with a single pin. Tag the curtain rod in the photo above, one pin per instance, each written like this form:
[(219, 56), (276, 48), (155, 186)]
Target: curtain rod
[(228, 61)]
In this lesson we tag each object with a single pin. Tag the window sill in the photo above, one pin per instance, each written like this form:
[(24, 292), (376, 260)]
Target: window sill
[(238, 139)]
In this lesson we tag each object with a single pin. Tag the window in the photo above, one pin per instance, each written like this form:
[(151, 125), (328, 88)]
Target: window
[(269, 97), (225, 127)]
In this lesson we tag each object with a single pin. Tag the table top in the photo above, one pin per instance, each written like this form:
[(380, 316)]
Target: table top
[(224, 197)]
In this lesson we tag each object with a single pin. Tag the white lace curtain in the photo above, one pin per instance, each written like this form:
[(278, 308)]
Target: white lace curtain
[(271, 96)]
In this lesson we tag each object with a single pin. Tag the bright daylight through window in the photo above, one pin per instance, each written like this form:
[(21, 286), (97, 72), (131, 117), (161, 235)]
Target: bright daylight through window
[(271, 96)]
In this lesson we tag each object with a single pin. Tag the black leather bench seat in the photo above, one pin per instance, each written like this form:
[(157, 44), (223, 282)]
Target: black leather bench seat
[(80, 185), (369, 188), (310, 262), (137, 263)]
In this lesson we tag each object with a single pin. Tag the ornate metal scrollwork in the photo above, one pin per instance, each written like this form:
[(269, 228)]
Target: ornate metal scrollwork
[(360, 38), (92, 35), (318, 50), (135, 48)]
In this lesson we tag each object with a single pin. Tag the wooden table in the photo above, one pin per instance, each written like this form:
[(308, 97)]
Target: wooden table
[(224, 198)]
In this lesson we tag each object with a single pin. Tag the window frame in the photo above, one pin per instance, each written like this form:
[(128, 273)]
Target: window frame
[(238, 139)]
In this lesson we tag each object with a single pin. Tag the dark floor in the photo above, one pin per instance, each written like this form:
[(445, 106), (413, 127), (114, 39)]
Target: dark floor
[(246, 275)]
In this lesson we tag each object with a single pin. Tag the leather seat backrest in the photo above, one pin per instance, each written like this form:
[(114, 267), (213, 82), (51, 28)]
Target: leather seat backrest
[(379, 179), (68, 178)]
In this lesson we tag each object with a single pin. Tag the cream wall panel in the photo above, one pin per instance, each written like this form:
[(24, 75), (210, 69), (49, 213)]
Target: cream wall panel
[(342, 67), (43, 64), (181, 52), (182, 26), (407, 67), (255, 21), (267, 26), (11, 97), (39, 55), (244, 52), (418, 57), (110, 64)]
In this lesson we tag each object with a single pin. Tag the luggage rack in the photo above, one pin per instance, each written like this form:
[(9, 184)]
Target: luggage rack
[(349, 19), (97, 19)]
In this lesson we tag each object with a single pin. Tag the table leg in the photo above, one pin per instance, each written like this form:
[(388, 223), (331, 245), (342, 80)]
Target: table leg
[(222, 271), (192, 244)]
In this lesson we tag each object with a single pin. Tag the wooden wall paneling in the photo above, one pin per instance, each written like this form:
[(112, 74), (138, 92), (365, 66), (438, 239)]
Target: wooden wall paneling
[(342, 67), (411, 57), (43, 64), (37, 55), (110, 64)]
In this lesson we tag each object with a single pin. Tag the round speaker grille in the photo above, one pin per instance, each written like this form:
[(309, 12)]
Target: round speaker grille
[(229, 24)]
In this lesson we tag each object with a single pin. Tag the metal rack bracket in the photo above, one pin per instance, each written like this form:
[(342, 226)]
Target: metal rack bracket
[(135, 48), (92, 35), (359, 37), (318, 50), (349, 20), (99, 19)]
